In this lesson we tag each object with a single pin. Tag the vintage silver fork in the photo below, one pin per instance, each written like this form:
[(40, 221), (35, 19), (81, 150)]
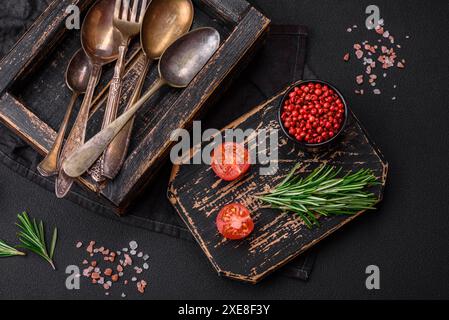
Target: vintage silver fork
[(128, 21)]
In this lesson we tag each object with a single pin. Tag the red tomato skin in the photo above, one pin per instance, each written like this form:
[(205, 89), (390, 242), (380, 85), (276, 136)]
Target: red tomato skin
[(239, 170), (245, 219)]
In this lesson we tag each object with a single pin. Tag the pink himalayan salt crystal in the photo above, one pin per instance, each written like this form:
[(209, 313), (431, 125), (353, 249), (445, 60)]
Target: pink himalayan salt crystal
[(379, 30), (128, 260), (346, 57), (90, 248), (359, 54), (359, 79), (368, 70)]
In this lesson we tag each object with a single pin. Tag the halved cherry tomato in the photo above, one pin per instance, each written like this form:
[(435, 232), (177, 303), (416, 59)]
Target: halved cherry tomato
[(234, 222), (230, 161)]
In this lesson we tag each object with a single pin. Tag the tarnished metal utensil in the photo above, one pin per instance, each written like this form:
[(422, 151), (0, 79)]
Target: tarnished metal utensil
[(76, 78), (178, 66), (164, 22), (127, 20), (100, 41)]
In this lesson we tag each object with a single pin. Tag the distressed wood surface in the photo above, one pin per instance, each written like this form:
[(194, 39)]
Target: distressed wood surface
[(32, 130), (198, 195), (32, 47), (32, 75)]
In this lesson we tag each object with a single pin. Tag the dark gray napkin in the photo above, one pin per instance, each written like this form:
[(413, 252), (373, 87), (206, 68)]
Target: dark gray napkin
[(278, 63)]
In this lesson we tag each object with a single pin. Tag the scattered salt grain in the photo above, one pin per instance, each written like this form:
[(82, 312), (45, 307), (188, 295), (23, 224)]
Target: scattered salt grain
[(123, 295), (133, 252), (376, 91), (133, 279), (146, 266), (133, 245), (349, 30), (146, 257), (128, 260), (138, 270), (79, 245), (140, 255)]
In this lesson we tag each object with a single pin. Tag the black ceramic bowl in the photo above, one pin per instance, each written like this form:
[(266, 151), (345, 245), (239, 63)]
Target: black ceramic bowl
[(318, 146)]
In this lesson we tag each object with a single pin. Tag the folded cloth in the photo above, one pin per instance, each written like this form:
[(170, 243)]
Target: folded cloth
[(278, 63)]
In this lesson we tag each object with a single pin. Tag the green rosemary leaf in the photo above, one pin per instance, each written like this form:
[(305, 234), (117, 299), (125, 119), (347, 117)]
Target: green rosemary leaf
[(323, 193), (8, 251), (32, 237), (53, 243)]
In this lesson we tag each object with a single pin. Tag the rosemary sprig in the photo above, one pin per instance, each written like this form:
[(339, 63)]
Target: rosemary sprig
[(32, 237), (323, 193), (8, 251)]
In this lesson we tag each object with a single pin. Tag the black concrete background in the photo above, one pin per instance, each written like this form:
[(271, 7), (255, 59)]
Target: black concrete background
[(406, 237)]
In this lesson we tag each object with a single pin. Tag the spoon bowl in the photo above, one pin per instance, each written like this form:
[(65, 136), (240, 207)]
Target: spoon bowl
[(99, 38), (78, 72), (182, 61), (164, 22)]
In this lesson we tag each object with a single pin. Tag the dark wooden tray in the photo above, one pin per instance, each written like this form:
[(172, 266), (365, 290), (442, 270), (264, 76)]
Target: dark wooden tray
[(32, 89), (198, 195)]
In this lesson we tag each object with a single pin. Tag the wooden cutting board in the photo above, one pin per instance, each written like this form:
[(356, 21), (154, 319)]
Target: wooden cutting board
[(198, 195)]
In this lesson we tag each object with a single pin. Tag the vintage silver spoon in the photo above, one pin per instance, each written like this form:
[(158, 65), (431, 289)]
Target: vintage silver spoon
[(100, 41), (178, 66), (76, 79)]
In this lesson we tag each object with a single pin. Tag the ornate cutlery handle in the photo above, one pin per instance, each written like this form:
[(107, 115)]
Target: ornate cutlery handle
[(77, 134), (115, 154), (49, 166), (115, 90), (80, 161)]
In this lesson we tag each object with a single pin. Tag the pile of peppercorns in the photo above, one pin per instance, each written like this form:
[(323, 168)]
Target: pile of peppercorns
[(313, 113)]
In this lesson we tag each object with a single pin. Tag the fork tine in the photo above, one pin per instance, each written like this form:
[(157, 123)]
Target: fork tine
[(134, 10), (143, 9), (125, 11), (118, 4)]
